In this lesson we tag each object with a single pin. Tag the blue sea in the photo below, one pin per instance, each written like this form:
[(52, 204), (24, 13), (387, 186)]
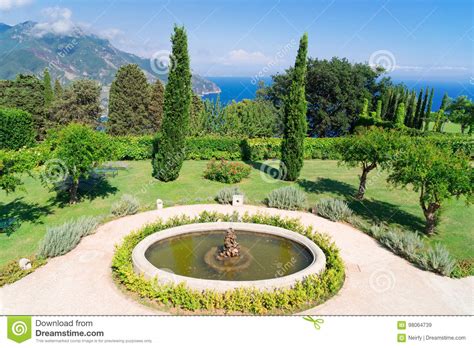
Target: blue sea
[(239, 88)]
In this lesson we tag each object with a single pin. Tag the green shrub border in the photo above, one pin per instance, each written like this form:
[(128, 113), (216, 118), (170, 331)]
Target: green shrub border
[(313, 290), (12, 272)]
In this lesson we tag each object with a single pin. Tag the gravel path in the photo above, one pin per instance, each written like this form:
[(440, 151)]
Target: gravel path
[(378, 282)]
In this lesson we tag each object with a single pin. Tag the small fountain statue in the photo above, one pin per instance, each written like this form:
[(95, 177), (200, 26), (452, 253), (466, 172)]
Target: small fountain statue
[(231, 248)]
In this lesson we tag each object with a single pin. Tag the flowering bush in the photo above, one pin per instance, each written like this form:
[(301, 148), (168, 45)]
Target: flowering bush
[(226, 172)]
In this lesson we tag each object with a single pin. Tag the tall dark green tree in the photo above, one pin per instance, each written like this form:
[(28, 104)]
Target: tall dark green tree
[(412, 110), (295, 123), (155, 109), (169, 148), (445, 101), (422, 115), (26, 93), (378, 112), (418, 109), (400, 116), (197, 116), (128, 103), (58, 89), (79, 103), (427, 117), (48, 89)]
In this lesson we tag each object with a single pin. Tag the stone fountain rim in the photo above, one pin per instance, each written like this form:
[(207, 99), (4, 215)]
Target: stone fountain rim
[(142, 266)]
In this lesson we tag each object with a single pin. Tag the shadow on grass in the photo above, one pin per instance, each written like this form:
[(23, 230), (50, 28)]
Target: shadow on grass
[(20, 211), (369, 209), (89, 189), (325, 185), (273, 172)]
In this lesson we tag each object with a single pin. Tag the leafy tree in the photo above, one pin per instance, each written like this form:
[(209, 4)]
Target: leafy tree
[(26, 93), (79, 102), (48, 90), (335, 90), (251, 118), (17, 129), (418, 111), (436, 173), (400, 117), (128, 103), (13, 164), (169, 146), (80, 149), (369, 150), (58, 89), (295, 125), (155, 108), (461, 111)]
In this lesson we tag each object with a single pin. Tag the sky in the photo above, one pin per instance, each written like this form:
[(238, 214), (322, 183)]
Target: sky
[(410, 38)]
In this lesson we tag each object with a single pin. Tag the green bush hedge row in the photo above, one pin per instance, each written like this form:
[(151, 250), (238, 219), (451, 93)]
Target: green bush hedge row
[(231, 148), (314, 148), (313, 290), (17, 129)]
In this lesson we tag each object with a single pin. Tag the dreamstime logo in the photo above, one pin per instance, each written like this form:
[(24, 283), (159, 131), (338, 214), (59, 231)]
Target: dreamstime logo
[(54, 171), (384, 59), (382, 280), (271, 174), (19, 328), (160, 62)]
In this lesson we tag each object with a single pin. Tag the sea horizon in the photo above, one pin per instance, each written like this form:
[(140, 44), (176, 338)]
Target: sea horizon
[(238, 88)]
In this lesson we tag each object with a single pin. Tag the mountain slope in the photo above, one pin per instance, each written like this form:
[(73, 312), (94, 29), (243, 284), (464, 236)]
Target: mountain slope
[(78, 55)]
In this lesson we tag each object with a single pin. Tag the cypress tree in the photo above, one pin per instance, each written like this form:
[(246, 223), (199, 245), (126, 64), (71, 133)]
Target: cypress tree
[(412, 113), (400, 116), (418, 109), (295, 123), (58, 89), (128, 103), (196, 116), (365, 108), (422, 115), (155, 108), (445, 101), (378, 112), (169, 148), (428, 111), (48, 90)]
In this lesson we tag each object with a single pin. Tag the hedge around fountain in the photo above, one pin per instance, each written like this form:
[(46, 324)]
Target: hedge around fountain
[(313, 290)]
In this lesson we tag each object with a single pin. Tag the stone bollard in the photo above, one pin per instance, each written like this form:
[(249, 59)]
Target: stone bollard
[(159, 204), (238, 200), (24, 264)]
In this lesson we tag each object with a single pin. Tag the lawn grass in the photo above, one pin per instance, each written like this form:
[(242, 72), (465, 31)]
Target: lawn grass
[(449, 127), (37, 208)]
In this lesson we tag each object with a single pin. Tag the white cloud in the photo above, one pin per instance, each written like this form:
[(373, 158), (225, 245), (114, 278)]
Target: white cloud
[(58, 22), (243, 57), (111, 34), (6, 5)]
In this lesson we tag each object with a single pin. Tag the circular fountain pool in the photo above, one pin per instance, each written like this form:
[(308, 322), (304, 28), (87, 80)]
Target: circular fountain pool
[(270, 257)]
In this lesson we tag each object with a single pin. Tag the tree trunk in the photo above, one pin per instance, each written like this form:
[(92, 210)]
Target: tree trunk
[(430, 216), (73, 191), (363, 180)]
